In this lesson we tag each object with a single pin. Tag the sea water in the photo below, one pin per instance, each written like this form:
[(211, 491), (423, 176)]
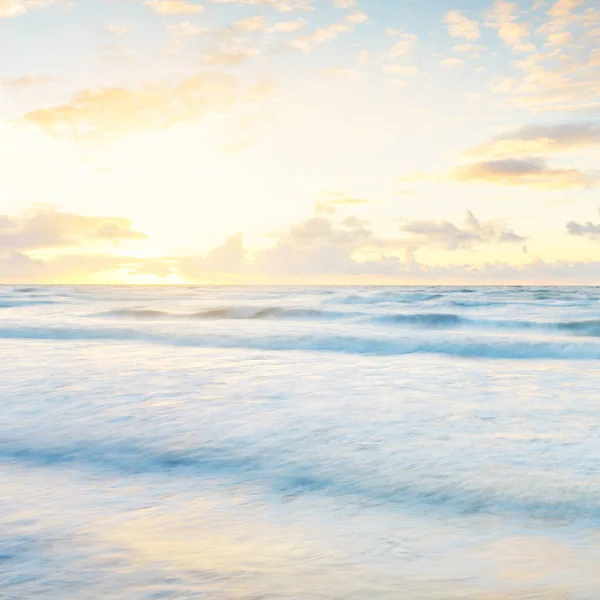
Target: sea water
[(260, 443)]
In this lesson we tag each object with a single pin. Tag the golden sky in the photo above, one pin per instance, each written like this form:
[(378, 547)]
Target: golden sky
[(299, 141)]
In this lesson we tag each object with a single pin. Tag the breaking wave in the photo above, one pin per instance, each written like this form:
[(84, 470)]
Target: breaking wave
[(589, 328), (475, 347)]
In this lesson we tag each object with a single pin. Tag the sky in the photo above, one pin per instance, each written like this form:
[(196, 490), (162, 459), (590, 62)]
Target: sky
[(300, 141)]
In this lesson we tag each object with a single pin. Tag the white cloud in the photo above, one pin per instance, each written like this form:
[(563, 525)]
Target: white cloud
[(461, 26), (288, 26), (402, 48)]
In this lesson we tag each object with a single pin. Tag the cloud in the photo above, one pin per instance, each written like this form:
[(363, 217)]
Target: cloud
[(343, 3), (227, 258), (400, 69), (324, 245), (461, 26), (27, 81), (288, 26), (255, 23), (320, 245), (46, 228), (174, 7), (451, 63), (112, 112), (184, 29), (402, 48), (472, 49), (346, 74), (514, 34), (589, 230), (118, 30), (283, 6), (328, 207), (16, 8), (562, 15), (537, 272), (541, 139), (329, 32), (525, 171), (564, 8), (558, 40), (453, 237), (229, 53)]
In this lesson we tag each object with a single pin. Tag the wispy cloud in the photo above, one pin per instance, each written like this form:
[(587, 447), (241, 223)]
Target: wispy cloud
[(27, 81), (471, 233), (522, 171), (329, 32), (112, 112), (541, 139)]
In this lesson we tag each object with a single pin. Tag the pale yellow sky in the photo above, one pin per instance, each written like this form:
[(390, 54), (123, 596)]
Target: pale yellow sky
[(304, 141)]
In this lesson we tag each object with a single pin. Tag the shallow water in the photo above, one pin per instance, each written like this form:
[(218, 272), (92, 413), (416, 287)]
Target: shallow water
[(326, 443)]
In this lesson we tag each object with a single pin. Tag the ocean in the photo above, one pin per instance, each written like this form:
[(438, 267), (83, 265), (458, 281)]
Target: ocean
[(258, 443)]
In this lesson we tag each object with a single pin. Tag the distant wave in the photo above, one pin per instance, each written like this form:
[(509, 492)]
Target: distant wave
[(425, 319), (387, 297), (20, 303), (236, 312), (476, 347)]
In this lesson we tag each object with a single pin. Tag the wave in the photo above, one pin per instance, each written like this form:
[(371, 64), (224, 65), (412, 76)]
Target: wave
[(481, 347), (382, 298), (426, 320), (590, 328), (21, 303), (238, 312), (457, 491)]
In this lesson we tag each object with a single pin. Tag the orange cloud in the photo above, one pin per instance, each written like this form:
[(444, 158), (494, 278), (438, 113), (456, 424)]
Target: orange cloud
[(16, 8), (111, 112), (46, 228)]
